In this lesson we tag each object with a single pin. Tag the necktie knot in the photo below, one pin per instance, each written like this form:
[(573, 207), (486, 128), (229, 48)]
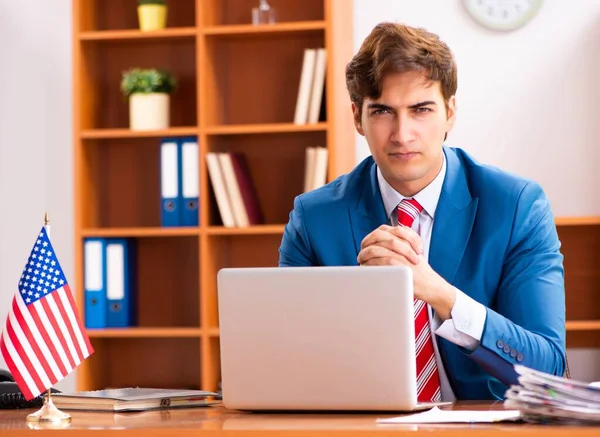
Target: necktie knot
[(408, 210)]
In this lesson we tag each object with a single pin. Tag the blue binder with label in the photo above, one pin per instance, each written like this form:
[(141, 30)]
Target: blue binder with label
[(190, 187), (170, 182), (94, 260), (121, 283)]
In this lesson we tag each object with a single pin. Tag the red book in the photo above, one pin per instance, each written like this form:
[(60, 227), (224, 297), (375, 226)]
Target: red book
[(247, 189)]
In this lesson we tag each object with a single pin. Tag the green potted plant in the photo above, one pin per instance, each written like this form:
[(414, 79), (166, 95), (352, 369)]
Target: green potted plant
[(152, 14), (148, 91)]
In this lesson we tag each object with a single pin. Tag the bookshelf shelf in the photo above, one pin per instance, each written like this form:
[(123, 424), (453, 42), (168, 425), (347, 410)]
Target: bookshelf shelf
[(238, 87), (583, 325), (578, 221), (250, 230), (93, 134), (145, 333), (266, 128), (212, 332), (140, 232), (132, 34), (249, 29)]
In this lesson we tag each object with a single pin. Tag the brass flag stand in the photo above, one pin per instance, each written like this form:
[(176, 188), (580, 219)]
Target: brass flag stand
[(49, 413)]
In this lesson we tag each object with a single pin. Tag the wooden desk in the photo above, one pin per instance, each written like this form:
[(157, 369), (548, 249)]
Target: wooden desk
[(217, 421)]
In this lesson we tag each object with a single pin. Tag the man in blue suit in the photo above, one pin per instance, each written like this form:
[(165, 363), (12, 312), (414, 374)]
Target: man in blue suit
[(483, 247)]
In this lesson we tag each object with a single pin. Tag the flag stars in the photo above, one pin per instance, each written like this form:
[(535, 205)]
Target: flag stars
[(37, 295), (38, 265), (43, 250), (27, 300), (45, 243)]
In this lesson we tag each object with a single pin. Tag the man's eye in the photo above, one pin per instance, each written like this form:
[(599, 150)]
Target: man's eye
[(423, 110), (380, 111)]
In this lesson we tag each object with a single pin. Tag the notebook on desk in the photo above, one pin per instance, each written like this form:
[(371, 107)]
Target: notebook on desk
[(132, 399), (318, 338)]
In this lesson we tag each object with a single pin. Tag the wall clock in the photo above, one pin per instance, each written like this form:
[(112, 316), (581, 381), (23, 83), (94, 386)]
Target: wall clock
[(504, 15)]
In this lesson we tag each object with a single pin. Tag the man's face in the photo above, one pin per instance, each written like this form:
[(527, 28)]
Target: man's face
[(405, 130)]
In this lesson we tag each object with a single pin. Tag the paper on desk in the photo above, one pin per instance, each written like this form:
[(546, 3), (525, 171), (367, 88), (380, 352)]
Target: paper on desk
[(435, 415)]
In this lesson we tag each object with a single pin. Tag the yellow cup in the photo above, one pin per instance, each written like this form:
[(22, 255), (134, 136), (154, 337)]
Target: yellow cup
[(152, 17)]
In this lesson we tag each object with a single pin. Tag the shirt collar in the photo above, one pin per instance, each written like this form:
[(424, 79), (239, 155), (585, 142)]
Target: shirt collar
[(428, 197)]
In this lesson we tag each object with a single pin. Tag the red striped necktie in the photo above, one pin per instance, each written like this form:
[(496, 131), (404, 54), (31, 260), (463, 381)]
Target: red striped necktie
[(428, 381)]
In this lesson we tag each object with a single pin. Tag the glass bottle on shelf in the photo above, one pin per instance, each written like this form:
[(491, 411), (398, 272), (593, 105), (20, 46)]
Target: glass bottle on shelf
[(263, 14)]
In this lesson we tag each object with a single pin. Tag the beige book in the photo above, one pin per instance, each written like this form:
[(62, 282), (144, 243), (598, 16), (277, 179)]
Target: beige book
[(317, 86), (218, 184), (320, 175), (233, 190), (309, 168), (304, 90)]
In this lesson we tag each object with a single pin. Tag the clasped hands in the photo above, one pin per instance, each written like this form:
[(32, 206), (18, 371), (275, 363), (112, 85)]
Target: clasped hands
[(401, 245)]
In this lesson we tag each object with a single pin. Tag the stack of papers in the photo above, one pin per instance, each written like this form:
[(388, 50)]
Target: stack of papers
[(435, 415), (544, 398)]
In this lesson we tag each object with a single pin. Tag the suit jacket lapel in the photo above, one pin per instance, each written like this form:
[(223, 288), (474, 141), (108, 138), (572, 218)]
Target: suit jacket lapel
[(453, 220), (368, 213)]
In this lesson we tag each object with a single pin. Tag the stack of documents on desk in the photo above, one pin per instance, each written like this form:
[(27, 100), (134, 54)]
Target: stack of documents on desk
[(132, 399), (551, 399)]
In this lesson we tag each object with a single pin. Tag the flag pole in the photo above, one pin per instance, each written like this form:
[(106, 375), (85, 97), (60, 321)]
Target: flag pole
[(49, 414)]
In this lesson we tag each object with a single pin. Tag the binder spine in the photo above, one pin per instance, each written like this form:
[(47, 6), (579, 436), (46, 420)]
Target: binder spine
[(94, 283)]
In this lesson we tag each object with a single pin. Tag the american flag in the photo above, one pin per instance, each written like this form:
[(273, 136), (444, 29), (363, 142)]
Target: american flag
[(43, 338)]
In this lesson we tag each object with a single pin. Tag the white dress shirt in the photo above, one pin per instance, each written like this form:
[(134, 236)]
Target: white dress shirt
[(465, 326)]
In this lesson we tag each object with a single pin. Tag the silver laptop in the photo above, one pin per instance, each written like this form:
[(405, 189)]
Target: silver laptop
[(317, 338)]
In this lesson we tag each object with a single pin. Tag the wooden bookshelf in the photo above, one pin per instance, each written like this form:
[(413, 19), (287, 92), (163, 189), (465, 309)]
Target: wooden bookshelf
[(238, 86), (580, 239)]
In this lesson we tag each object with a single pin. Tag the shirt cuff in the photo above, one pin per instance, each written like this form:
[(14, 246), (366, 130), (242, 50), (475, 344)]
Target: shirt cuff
[(466, 325)]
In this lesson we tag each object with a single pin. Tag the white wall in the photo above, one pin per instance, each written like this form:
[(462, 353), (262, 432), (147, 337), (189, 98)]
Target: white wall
[(35, 138), (528, 101)]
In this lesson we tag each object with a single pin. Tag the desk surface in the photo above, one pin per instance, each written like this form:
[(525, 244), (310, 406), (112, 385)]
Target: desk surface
[(218, 421)]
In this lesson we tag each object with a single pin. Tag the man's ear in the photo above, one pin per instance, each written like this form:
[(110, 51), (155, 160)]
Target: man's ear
[(357, 120), (451, 113)]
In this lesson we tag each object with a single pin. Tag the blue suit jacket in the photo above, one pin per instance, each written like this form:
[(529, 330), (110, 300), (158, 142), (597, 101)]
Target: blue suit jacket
[(493, 237)]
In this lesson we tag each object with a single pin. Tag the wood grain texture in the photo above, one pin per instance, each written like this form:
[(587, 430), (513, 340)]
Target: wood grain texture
[(218, 421)]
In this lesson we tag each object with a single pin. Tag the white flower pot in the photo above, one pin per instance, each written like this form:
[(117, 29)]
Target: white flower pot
[(149, 111)]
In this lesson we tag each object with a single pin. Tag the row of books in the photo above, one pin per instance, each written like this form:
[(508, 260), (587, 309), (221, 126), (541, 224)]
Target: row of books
[(235, 192), (110, 282), (237, 200), (311, 88)]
